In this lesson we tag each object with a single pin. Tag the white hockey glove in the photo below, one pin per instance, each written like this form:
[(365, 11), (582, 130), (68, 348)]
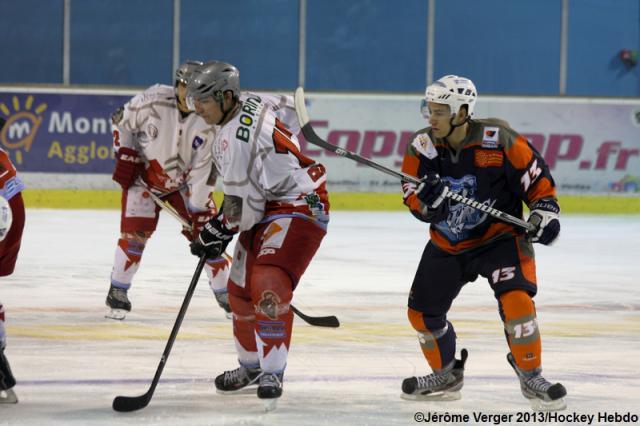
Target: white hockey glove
[(545, 216)]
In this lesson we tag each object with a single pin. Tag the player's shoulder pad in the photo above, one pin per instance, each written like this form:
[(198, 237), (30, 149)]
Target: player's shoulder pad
[(496, 132), (155, 93), (421, 143)]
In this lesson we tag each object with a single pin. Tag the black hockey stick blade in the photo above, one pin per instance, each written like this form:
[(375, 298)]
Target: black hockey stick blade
[(312, 137), (330, 321), (125, 404), (133, 403)]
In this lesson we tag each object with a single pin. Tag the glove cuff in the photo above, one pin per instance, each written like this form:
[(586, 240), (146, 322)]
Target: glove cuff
[(546, 204)]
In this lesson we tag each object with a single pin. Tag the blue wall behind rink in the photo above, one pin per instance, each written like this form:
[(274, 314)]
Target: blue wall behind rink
[(506, 46)]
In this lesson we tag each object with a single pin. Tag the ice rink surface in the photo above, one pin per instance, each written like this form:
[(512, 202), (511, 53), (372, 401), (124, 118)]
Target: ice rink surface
[(70, 362)]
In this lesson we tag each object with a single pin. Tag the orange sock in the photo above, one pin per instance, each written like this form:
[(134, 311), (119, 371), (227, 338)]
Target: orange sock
[(522, 329)]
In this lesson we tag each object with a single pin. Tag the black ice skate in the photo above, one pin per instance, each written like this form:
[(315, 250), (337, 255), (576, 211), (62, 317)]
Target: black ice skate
[(444, 385), (238, 380), (542, 395), (7, 381), (118, 305), (270, 389)]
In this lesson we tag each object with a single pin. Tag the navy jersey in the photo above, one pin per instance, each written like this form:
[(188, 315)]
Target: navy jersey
[(494, 165)]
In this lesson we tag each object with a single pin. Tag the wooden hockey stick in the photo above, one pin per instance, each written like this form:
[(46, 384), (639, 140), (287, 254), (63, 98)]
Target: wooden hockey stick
[(312, 137), (133, 403), (330, 321)]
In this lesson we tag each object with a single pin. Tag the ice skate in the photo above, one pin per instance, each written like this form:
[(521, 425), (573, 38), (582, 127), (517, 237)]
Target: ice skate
[(118, 305), (542, 395), (444, 385), (7, 381), (270, 389), (240, 380)]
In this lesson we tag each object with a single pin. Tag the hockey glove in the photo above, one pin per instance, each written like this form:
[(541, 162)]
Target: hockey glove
[(432, 190), (198, 221), (213, 240), (545, 216), (128, 167)]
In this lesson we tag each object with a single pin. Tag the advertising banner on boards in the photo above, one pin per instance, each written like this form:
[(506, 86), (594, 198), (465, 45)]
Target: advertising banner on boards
[(591, 145)]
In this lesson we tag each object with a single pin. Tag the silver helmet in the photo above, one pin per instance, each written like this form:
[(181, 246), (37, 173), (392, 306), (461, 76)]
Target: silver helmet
[(212, 79), (185, 70)]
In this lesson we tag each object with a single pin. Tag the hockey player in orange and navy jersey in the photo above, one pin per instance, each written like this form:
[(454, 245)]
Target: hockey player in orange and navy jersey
[(489, 162), (11, 226)]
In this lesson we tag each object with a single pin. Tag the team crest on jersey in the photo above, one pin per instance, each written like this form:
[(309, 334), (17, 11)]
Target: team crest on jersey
[(422, 143), (152, 131), (462, 218), (197, 141), (490, 137)]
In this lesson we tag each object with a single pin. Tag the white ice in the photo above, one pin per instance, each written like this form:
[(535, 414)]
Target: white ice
[(70, 362)]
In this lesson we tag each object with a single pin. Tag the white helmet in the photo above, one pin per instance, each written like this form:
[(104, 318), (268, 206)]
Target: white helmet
[(450, 90), (6, 217)]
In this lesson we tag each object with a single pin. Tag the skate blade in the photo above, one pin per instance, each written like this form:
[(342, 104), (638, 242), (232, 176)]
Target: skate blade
[(116, 314), (541, 405), (8, 397), (270, 404), (436, 396), (247, 390)]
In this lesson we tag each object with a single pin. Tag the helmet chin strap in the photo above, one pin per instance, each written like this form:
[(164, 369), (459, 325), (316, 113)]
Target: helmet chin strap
[(226, 113), (454, 126)]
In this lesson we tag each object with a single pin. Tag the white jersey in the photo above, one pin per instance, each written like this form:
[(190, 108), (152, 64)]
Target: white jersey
[(263, 173), (175, 148)]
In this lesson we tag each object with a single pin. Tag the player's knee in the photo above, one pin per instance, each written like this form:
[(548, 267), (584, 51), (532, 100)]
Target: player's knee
[(516, 303), (242, 307), (422, 322), (271, 290), (139, 237)]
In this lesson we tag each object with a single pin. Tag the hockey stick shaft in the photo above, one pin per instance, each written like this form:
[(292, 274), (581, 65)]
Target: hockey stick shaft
[(330, 321), (312, 137), (127, 403)]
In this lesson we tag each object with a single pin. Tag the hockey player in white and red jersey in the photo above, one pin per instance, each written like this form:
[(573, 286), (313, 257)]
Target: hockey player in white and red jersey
[(276, 199), (164, 147)]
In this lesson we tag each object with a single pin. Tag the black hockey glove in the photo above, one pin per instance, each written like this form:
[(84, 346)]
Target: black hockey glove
[(432, 190), (213, 240), (545, 216)]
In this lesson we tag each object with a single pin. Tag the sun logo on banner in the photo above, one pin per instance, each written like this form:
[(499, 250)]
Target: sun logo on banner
[(22, 125)]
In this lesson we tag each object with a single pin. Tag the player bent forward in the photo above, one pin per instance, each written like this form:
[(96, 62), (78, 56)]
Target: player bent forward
[(161, 146), (275, 197), (486, 161)]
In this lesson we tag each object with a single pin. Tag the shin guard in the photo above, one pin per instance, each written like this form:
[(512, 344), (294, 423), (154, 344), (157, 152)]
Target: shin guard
[(521, 327), (218, 273), (243, 325), (127, 262), (437, 339), (271, 293)]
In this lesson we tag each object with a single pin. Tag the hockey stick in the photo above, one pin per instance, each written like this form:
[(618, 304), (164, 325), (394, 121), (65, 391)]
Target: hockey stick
[(330, 321), (133, 403), (311, 136)]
